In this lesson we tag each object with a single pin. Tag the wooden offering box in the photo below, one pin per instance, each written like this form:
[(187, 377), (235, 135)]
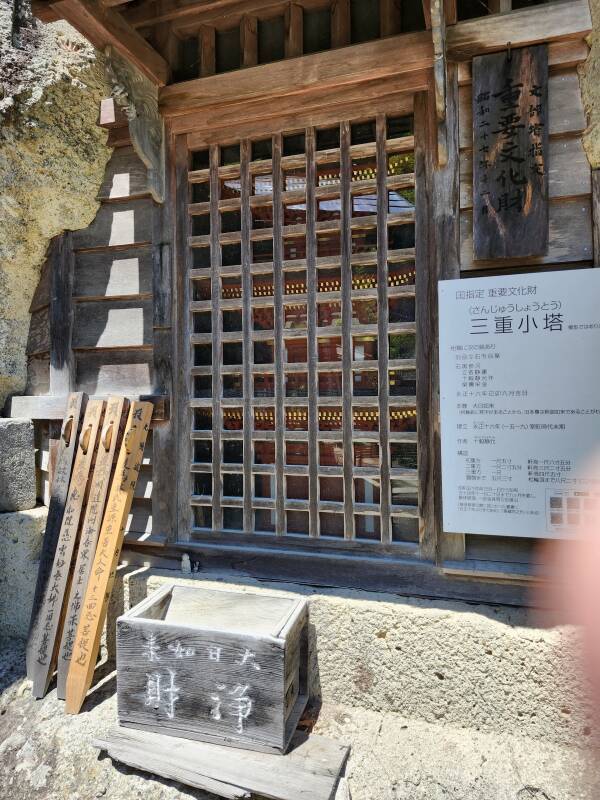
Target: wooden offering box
[(220, 666)]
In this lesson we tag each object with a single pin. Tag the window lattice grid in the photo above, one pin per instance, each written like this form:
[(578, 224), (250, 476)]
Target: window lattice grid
[(303, 335)]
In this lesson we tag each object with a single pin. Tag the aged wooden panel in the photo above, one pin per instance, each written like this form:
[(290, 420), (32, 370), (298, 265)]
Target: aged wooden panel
[(41, 296), (127, 372), (139, 519), (310, 770), (38, 375), (117, 224), (569, 173), (43, 636), (570, 236), (510, 153), (113, 274), (210, 665), (60, 486), (108, 440), (565, 107), (115, 323), (38, 340), (98, 591), (61, 314), (125, 176)]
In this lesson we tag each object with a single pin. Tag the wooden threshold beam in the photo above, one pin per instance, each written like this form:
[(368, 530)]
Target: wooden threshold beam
[(560, 21), (301, 77), (105, 26), (53, 407)]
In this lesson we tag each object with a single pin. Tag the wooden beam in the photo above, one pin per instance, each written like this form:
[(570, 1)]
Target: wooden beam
[(249, 41), (570, 19), (47, 407), (62, 366), (43, 11), (340, 23), (104, 26), (206, 40), (324, 72), (294, 30)]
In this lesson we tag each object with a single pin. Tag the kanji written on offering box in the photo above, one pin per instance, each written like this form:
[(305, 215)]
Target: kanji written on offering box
[(220, 666)]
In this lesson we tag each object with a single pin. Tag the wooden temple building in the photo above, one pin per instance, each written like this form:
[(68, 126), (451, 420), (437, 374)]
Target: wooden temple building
[(289, 182)]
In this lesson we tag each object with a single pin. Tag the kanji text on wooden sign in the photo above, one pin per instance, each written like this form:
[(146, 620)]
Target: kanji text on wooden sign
[(510, 153)]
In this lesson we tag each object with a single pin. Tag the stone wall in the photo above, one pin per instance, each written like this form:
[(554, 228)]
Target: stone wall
[(52, 160)]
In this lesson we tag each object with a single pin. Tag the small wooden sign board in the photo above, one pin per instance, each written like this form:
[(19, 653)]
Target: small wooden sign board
[(310, 771), (510, 153)]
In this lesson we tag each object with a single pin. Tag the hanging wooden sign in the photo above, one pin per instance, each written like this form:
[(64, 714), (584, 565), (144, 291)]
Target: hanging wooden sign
[(510, 153), (102, 577), (56, 507), (43, 636), (107, 447)]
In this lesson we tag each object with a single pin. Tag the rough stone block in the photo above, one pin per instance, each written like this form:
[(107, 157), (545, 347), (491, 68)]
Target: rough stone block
[(17, 465), (21, 536)]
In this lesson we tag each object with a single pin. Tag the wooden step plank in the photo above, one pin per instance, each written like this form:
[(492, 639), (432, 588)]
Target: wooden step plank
[(65, 453), (113, 273), (90, 529), (97, 595), (45, 634), (125, 176), (115, 323), (117, 224), (128, 372), (309, 771)]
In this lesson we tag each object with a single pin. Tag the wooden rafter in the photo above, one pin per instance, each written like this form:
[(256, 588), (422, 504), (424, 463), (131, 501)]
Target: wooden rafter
[(105, 26)]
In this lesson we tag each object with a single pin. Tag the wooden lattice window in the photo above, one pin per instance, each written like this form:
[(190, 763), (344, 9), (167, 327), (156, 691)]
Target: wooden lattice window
[(302, 375)]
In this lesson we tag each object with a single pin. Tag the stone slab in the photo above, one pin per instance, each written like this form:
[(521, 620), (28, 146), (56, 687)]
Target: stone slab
[(21, 534), (17, 465)]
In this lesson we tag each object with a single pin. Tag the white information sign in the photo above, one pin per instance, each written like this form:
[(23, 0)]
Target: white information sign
[(520, 402)]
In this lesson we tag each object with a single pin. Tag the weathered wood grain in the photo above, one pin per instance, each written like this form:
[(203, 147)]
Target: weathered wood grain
[(97, 595), (113, 274), (41, 296), (310, 771), (61, 314), (108, 440), (113, 323), (72, 411), (596, 215), (128, 372), (117, 224), (213, 665), (510, 153), (45, 633), (125, 176), (54, 408), (38, 375), (38, 339)]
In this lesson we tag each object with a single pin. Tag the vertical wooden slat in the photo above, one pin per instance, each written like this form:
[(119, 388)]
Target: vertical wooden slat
[(183, 346), (248, 355), (206, 38), (249, 41), (62, 371), (217, 378), (596, 214), (382, 331), (346, 251), (279, 328), (311, 321), (340, 23), (294, 30), (389, 17), (499, 6)]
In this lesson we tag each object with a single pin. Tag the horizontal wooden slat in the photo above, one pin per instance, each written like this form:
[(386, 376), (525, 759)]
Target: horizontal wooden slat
[(113, 274), (569, 19), (53, 407), (125, 176), (117, 224), (127, 372), (139, 520), (570, 237), (565, 107), (569, 173), (118, 323)]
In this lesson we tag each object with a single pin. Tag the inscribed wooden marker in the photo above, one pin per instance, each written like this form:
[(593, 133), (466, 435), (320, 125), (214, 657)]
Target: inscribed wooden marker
[(102, 577), (510, 153), (43, 636), (90, 529), (58, 496)]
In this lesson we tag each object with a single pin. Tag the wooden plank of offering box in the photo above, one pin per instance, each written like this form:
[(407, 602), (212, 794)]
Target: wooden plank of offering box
[(510, 153), (102, 577), (42, 644), (58, 496), (107, 447)]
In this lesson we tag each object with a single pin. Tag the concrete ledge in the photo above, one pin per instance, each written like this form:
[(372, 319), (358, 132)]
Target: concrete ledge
[(21, 534), (17, 465), (488, 668)]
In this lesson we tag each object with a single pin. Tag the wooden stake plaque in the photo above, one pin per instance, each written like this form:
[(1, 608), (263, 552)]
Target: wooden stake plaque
[(102, 578), (42, 643), (510, 153), (90, 529), (58, 496)]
